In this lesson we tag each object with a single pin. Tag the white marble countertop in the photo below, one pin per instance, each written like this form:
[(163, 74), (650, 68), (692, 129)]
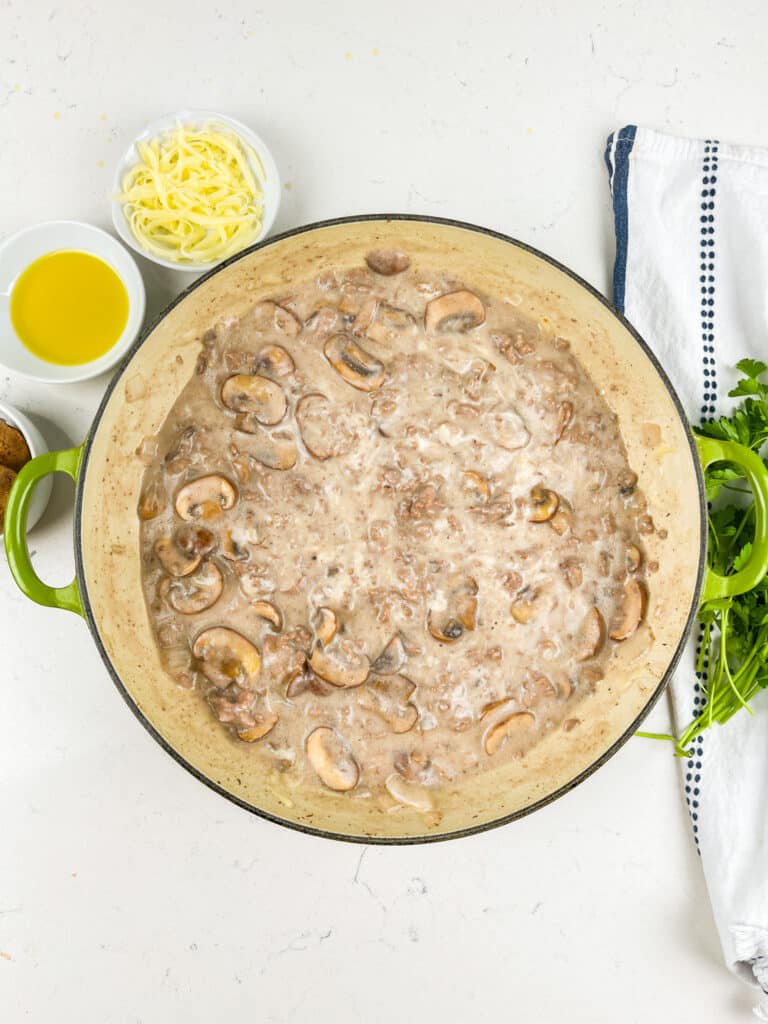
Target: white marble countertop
[(128, 891)]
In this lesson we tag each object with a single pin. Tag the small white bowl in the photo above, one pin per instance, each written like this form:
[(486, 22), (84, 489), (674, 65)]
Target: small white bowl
[(196, 119), (21, 249), (37, 446)]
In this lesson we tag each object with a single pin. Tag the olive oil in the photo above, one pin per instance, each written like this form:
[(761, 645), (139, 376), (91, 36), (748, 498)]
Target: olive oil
[(69, 307)]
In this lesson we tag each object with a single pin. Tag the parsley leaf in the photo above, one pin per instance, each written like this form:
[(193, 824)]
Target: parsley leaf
[(753, 368)]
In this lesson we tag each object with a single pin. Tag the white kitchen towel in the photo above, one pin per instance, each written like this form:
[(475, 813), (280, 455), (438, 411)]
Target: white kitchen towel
[(691, 275)]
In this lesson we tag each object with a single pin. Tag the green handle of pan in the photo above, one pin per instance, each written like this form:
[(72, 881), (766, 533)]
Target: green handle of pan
[(713, 450), (15, 530)]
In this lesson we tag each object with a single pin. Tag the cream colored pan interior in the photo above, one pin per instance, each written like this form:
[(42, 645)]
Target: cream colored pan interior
[(659, 451)]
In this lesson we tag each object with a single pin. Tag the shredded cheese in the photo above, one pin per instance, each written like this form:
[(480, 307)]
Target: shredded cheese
[(195, 196)]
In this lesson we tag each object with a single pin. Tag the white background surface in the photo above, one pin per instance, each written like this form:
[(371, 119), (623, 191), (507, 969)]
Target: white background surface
[(128, 891)]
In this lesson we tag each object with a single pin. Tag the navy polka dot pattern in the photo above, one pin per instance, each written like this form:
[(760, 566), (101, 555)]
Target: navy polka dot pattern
[(707, 276), (693, 767), (707, 256)]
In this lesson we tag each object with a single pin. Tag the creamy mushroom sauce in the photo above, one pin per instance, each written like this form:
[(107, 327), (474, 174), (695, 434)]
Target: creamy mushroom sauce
[(389, 532)]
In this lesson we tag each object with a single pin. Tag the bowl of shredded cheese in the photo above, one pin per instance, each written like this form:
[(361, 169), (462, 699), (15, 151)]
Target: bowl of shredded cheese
[(193, 189)]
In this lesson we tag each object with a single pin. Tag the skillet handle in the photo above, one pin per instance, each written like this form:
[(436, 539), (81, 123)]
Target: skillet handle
[(713, 450), (15, 530)]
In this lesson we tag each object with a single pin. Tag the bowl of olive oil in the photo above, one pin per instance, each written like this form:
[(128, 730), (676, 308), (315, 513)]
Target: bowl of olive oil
[(71, 302)]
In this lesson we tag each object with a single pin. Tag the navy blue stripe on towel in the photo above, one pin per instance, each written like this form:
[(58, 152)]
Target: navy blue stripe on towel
[(617, 155), (707, 262), (707, 265)]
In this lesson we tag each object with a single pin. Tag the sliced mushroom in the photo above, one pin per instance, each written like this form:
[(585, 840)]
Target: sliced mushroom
[(633, 558), (455, 311), (591, 635), (391, 659), (358, 367), (296, 683), (344, 673), (270, 612), (326, 625), (495, 705), (564, 685), (193, 594), (405, 722), (286, 321), (206, 497), (477, 485), (447, 631), (413, 766), (324, 430), (390, 698), (387, 261), (304, 680), (174, 559), (364, 315), (324, 321), (624, 624), (507, 429), (564, 417), (192, 539), (410, 794), (227, 657), (388, 322), (231, 549), (544, 504), (264, 723), (332, 760), (516, 724), (256, 396), (274, 449), (461, 614), (269, 316), (465, 602), (274, 361)]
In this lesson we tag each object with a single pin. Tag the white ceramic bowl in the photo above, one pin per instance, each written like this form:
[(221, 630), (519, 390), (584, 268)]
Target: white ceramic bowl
[(21, 249), (37, 446), (195, 119)]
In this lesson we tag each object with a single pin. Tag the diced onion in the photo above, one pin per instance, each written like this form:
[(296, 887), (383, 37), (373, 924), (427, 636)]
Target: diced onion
[(195, 196)]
